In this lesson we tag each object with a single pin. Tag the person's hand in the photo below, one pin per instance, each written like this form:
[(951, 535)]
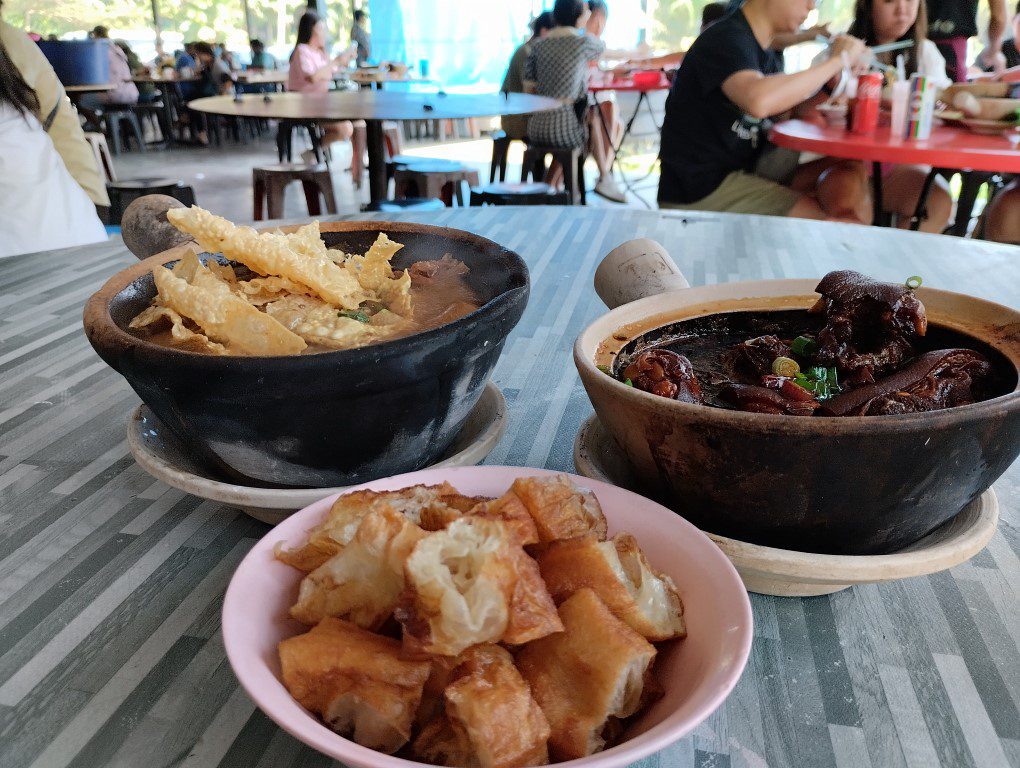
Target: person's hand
[(819, 30), (851, 46), (994, 60)]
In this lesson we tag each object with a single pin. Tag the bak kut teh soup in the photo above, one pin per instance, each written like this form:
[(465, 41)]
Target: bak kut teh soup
[(286, 294), (865, 349)]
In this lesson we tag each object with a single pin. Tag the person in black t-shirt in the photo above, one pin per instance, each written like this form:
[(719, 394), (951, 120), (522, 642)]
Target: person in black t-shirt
[(718, 114), (951, 23)]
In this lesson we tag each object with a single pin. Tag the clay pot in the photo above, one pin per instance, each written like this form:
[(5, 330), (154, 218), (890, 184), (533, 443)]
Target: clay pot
[(850, 485), (329, 419)]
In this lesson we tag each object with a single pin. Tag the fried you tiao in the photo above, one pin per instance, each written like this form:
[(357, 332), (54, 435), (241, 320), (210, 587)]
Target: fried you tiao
[(490, 718), (619, 573), (347, 512), (587, 677), (559, 508), (294, 257), (356, 681), (472, 583), (363, 581), (184, 336), (193, 291)]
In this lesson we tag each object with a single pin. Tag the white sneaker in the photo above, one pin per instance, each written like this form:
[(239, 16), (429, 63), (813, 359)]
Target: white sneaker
[(608, 189), (308, 157)]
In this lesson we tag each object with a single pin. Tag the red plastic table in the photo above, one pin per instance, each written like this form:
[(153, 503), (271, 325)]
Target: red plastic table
[(627, 85), (947, 148)]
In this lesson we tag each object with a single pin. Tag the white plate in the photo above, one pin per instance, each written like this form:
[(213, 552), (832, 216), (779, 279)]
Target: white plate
[(160, 454), (789, 573)]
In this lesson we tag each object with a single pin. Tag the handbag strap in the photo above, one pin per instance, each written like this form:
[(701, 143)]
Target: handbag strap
[(48, 122)]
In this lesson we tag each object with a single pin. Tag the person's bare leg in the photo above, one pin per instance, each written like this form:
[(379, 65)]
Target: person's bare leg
[(1002, 216), (359, 146), (842, 192), (807, 208), (902, 186), (601, 152)]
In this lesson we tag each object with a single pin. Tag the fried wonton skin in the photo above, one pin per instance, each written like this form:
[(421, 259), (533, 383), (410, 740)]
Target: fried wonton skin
[(356, 681), (619, 573), (344, 517), (472, 583), (559, 508), (363, 581), (490, 719), (587, 676)]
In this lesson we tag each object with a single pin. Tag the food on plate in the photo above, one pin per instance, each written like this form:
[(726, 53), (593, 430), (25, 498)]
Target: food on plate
[(618, 572), (489, 717), (419, 503), (865, 348), (363, 581), (357, 681), (487, 671), (284, 294), (472, 583), (560, 509), (588, 677)]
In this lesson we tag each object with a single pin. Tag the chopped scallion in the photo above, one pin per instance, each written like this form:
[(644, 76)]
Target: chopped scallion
[(914, 282), (804, 346)]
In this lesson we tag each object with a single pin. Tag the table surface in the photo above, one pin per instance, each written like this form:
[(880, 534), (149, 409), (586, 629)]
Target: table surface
[(159, 79), (264, 76), (628, 84), (373, 105), (90, 88), (111, 584), (947, 147)]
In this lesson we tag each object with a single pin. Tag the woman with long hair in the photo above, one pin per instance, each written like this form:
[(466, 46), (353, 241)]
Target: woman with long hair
[(311, 71), (41, 205), (878, 22)]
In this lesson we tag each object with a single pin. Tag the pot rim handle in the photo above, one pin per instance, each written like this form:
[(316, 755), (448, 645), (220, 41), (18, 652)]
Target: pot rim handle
[(636, 269)]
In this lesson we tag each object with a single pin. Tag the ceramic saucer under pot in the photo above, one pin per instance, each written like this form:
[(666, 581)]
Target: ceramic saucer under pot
[(789, 573), (160, 454)]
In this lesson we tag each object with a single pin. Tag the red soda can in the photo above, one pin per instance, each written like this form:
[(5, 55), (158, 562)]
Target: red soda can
[(866, 104)]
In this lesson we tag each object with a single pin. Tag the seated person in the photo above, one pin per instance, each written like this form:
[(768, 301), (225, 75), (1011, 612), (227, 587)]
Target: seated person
[(43, 206), (557, 67), (879, 22), (55, 111), (126, 91), (214, 80), (605, 130), (260, 57), (516, 126), (1010, 51), (1002, 216), (718, 114), (311, 71)]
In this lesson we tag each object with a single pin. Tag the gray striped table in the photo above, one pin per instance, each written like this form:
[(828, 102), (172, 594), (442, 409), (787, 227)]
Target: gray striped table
[(111, 584)]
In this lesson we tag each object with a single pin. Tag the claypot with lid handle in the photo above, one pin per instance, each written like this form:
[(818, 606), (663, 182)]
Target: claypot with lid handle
[(850, 485)]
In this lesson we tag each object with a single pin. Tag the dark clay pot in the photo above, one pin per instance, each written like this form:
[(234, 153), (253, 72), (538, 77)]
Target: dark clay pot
[(850, 485), (329, 419)]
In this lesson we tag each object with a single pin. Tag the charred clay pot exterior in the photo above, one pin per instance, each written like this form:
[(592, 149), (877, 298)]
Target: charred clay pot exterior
[(851, 485), (329, 419)]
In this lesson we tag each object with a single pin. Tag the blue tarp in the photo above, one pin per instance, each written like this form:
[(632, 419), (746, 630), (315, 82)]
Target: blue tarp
[(468, 44)]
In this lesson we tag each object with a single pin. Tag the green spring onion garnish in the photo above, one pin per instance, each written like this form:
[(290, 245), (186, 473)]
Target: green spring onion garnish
[(604, 369), (804, 346), (354, 314), (628, 382), (914, 282), (822, 382)]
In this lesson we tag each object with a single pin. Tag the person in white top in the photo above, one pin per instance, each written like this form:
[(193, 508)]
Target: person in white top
[(878, 22), (41, 205)]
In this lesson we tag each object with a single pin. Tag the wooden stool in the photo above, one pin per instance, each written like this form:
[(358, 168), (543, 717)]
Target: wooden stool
[(271, 182), (523, 193), (572, 161), (101, 152), (431, 181)]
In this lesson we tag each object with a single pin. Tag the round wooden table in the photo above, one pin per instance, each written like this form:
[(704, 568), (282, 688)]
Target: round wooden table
[(946, 149), (373, 107), (89, 88), (112, 582)]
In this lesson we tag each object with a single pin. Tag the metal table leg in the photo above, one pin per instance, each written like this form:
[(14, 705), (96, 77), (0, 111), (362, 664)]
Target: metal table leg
[(921, 210), (376, 160)]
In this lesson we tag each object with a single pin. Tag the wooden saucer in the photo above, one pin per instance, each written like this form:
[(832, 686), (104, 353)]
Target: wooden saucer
[(160, 454), (788, 573)]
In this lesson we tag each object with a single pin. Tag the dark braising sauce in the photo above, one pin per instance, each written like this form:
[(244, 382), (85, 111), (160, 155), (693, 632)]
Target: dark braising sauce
[(708, 342)]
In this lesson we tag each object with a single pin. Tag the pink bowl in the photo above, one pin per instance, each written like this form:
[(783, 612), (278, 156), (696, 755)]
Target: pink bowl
[(697, 673)]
